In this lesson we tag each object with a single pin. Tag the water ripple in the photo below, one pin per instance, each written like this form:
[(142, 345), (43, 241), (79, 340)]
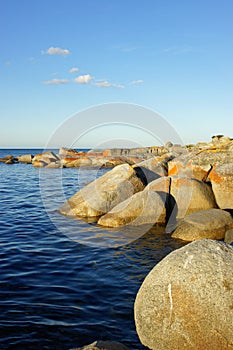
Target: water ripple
[(56, 293)]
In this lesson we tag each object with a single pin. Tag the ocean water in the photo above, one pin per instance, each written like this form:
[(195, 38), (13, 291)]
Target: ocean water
[(65, 283)]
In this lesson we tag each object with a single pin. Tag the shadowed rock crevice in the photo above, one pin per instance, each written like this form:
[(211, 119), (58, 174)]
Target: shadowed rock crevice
[(146, 175)]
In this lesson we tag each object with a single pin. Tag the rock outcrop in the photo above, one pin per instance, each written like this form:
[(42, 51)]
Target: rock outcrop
[(43, 159), (145, 207), (101, 195), (212, 223), (186, 301)]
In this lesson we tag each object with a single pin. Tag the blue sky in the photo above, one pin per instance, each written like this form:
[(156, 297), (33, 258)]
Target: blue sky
[(62, 57)]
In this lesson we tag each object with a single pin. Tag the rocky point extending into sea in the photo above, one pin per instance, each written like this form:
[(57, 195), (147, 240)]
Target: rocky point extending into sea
[(186, 301)]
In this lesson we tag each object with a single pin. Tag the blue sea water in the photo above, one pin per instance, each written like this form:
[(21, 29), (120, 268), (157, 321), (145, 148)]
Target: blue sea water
[(65, 283)]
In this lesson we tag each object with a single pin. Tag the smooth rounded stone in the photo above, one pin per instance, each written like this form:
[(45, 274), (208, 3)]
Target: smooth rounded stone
[(101, 195), (98, 161), (190, 195), (39, 164), (186, 301), (9, 161), (104, 345), (82, 162), (229, 236), (6, 158), (114, 162), (66, 152), (25, 158), (145, 207), (220, 139), (54, 165), (168, 144), (212, 223), (221, 178), (46, 157), (69, 161)]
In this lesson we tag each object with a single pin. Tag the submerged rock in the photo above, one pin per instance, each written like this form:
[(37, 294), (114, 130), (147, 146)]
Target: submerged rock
[(101, 195), (104, 345), (186, 301), (145, 207), (212, 223)]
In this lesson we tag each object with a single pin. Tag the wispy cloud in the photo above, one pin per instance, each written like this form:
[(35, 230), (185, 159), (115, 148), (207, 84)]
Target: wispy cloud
[(74, 70), (107, 84), (56, 51), (55, 81), (135, 82), (179, 50), (83, 79)]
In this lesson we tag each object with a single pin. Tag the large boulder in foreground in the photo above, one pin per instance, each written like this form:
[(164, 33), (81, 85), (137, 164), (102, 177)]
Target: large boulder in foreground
[(186, 301), (212, 223), (101, 195), (221, 178), (145, 207), (104, 345), (190, 195)]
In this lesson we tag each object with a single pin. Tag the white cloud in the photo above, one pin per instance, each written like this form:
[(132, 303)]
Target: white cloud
[(106, 84), (55, 82), (74, 70), (56, 51), (83, 79), (135, 82)]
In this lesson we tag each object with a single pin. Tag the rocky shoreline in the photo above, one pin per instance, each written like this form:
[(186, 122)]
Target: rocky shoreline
[(186, 301)]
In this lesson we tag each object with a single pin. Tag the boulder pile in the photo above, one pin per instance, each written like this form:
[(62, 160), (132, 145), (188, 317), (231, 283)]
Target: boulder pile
[(163, 185), (189, 190)]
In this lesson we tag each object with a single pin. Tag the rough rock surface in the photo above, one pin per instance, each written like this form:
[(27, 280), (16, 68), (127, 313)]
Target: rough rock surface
[(186, 301), (101, 195), (145, 207), (191, 195), (212, 223), (160, 185), (104, 345), (221, 178), (199, 162)]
